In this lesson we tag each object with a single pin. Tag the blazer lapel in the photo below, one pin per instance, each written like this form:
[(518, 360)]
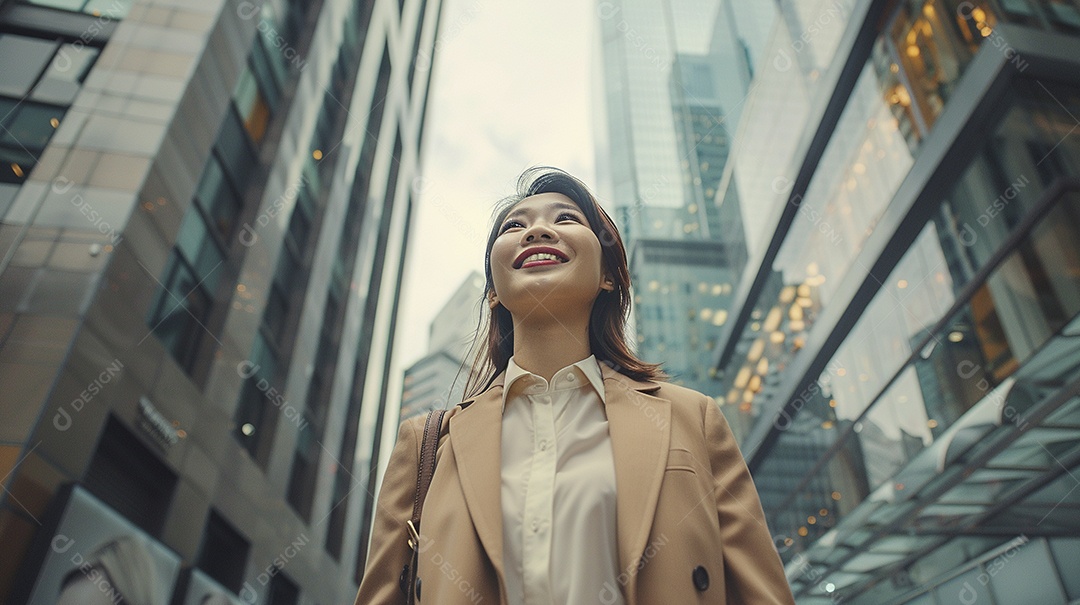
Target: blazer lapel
[(476, 438), (640, 428)]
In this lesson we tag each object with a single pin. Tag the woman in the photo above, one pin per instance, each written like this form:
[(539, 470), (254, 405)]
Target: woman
[(573, 473)]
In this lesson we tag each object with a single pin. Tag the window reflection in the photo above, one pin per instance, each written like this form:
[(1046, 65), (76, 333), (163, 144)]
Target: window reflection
[(39, 81), (896, 383), (931, 54)]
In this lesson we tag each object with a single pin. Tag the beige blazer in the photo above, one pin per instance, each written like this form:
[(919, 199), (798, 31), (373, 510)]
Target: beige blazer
[(690, 525)]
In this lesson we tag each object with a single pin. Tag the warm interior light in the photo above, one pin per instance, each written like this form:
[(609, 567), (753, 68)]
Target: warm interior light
[(756, 349), (742, 377), (772, 321), (755, 383)]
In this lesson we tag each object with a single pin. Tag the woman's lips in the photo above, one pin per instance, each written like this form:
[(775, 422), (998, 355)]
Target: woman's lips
[(538, 263)]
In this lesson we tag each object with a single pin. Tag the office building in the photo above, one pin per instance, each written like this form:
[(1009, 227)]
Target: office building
[(437, 380), (204, 208), (674, 75), (901, 356)]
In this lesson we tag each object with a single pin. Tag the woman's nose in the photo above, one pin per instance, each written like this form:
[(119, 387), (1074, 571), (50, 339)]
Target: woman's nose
[(538, 231)]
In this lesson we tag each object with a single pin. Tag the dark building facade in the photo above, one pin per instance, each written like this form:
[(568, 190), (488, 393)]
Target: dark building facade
[(204, 209), (901, 357)]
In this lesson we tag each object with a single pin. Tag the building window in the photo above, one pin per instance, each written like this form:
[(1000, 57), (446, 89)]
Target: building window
[(224, 552), (113, 9), (335, 531), (304, 470), (128, 476), (39, 81), (283, 591), (218, 200), (252, 106), (183, 307), (255, 421)]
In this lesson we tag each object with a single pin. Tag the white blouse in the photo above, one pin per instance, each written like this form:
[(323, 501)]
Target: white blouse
[(558, 488)]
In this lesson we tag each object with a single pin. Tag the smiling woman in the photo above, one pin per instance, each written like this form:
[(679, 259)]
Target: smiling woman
[(573, 472)]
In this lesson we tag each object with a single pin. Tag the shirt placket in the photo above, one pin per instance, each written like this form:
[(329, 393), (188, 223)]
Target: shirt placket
[(539, 502)]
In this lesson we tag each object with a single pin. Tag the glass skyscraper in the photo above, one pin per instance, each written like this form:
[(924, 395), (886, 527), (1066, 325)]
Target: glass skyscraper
[(900, 361), (674, 75), (204, 208)]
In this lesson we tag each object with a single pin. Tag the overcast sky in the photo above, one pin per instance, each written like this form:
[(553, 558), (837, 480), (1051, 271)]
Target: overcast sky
[(510, 90)]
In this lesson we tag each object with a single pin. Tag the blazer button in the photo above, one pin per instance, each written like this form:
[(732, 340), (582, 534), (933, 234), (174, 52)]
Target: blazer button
[(418, 588), (701, 578)]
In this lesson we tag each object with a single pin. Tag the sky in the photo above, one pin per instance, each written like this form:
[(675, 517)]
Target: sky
[(510, 90)]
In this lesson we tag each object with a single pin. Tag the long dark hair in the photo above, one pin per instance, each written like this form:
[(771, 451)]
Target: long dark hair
[(494, 344)]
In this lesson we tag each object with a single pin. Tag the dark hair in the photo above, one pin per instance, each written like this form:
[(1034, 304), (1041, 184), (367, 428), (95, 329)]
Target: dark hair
[(495, 343)]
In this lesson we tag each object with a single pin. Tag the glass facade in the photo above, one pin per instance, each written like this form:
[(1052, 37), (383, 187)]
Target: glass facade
[(40, 82), (675, 76), (928, 276)]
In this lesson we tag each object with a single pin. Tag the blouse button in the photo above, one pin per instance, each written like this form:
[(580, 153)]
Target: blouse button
[(543, 445), (535, 526)]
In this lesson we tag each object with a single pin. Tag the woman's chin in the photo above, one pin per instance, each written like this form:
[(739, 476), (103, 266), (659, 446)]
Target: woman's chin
[(545, 303)]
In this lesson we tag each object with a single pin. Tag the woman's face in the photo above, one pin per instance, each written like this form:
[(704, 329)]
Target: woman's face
[(546, 258)]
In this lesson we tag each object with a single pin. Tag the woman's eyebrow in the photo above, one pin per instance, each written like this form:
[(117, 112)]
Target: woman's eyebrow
[(557, 205)]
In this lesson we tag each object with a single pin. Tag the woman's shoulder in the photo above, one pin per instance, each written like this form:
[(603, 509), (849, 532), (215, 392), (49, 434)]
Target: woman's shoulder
[(677, 392), (414, 425)]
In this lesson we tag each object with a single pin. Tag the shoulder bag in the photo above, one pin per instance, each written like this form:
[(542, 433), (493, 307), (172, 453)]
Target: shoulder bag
[(409, 583)]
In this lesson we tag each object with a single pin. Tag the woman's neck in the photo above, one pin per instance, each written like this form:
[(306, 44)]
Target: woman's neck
[(545, 345)]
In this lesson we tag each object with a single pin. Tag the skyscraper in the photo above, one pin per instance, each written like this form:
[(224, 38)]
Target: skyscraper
[(203, 214), (900, 355), (437, 380), (674, 77)]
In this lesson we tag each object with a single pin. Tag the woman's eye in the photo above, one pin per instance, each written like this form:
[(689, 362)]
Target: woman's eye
[(572, 217), (507, 225)]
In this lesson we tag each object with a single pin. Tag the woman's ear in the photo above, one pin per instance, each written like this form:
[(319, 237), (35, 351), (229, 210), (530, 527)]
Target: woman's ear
[(607, 284), (493, 300)]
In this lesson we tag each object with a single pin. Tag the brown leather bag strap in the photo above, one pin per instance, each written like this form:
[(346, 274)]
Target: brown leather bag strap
[(424, 473), (430, 443)]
